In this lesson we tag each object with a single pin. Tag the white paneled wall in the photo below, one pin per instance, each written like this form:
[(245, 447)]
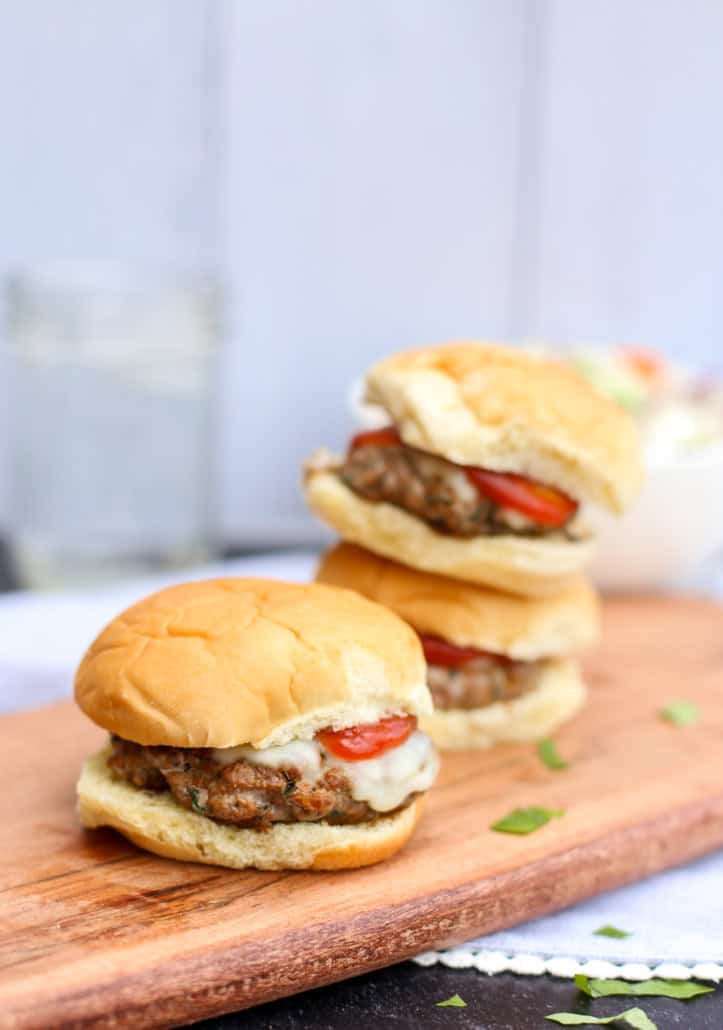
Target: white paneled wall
[(629, 233), (367, 174), (108, 144), (107, 119), (370, 201)]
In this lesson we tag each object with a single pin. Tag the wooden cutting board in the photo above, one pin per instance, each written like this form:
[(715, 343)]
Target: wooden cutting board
[(95, 933)]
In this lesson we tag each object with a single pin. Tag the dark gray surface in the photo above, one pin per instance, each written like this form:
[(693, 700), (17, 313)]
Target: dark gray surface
[(404, 998)]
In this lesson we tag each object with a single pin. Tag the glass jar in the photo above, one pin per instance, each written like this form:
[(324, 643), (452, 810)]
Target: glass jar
[(110, 420)]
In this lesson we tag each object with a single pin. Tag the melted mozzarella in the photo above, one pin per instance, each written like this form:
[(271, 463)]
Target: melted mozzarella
[(382, 782), (304, 755), (386, 781)]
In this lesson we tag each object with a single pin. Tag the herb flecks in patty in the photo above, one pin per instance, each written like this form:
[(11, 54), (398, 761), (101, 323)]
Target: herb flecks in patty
[(240, 793)]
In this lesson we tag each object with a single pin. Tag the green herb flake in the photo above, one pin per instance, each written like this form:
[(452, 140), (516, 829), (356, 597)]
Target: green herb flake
[(681, 989), (635, 1018), (526, 820), (455, 1002), (680, 713), (290, 785), (612, 931), (195, 804), (547, 750)]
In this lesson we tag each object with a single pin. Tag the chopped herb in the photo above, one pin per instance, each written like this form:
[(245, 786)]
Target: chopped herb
[(635, 1018), (547, 751), (612, 931), (290, 786), (195, 804), (526, 820), (682, 989), (455, 1002), (681, 713)]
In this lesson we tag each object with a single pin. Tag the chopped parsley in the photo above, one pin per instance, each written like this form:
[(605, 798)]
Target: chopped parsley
[(612, 931), (455, 1002), (195, 804), (635, 1018), (680, 713), (526, 820), (547, 750), (681, 989), (290, 784)]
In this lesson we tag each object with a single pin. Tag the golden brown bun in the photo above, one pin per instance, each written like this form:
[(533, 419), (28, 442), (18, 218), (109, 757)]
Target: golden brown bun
[(559, 694), (249, 661), (506, 409), (529, 566), (468, 615), (157, 823)]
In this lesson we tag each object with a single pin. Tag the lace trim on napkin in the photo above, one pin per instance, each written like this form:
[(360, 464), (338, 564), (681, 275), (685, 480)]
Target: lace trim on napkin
[(492, 962)]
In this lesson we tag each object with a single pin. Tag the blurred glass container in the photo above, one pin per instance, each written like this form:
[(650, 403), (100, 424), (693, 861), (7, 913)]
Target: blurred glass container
[(110, 407)]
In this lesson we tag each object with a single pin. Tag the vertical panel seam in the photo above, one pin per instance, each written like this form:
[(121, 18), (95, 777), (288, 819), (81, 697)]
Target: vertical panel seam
[(526, 233)]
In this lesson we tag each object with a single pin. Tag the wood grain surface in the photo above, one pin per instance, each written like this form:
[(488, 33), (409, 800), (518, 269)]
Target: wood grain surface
[(94, 933)]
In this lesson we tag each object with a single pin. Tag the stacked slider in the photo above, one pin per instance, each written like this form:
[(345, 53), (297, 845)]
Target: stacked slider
[(475, 484)]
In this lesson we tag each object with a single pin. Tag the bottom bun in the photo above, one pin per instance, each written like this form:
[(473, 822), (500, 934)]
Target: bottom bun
[(529, 566), (157, 823), (559, 694)]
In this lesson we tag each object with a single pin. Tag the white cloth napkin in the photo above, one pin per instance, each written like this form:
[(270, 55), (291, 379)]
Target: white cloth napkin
[(676, 918)]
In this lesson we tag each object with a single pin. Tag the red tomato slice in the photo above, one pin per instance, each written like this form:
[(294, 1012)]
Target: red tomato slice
[(355, 743), (441, 652), (541, 503), (387, 437)]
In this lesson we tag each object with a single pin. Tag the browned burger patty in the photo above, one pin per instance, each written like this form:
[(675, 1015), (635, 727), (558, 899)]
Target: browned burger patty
[(433, 489), (246, 795), (481, 682)]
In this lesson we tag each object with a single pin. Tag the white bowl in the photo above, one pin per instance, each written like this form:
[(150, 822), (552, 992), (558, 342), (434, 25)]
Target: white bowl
[(671, 531)]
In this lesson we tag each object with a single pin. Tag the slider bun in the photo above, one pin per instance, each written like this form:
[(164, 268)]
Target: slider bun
[(509, 410), (249, 661), (157, 823), (528, 566), (559, 694), (467, 615)]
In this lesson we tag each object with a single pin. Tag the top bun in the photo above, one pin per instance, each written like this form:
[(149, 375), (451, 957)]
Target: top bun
[(468, 615), (228, 662), (512, 411)]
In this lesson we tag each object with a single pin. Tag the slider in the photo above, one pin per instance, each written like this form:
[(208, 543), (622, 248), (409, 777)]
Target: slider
[(481, 470), (258, 723)]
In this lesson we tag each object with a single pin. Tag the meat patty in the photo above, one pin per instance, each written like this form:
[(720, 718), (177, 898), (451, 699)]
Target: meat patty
[(433, 489), (246, 795), (481, 682)]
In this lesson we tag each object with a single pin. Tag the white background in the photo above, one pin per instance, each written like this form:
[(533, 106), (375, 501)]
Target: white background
[(369, 174)]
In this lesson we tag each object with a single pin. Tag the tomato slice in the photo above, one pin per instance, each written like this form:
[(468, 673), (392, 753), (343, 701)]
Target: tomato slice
[(441, 652), (387, 437), (541, 503), (356, 743)]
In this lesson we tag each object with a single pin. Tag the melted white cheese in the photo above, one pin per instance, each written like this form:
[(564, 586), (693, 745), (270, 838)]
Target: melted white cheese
[(304, 755), (386, 781), (382, 782)]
